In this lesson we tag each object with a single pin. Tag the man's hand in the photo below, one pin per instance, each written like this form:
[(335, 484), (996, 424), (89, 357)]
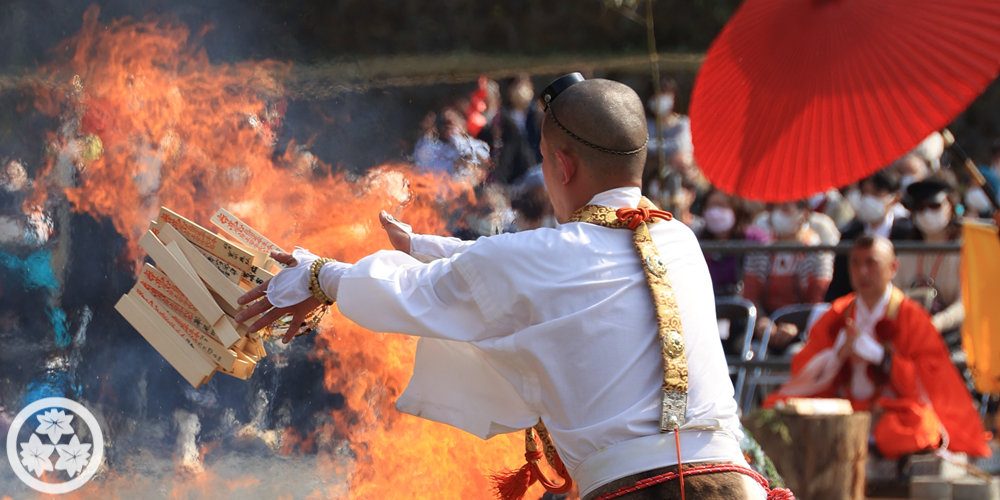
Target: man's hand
[(851, 331), (298, 311), (398, 232)]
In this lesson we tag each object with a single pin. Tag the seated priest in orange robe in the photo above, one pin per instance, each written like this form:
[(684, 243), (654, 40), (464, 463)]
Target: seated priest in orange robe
[(878, 349)]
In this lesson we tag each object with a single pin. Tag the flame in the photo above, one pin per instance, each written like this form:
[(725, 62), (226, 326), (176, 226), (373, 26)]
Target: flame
[(148, 120)]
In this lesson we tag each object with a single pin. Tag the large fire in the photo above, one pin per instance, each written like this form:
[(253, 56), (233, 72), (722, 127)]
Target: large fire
[(149, 120)]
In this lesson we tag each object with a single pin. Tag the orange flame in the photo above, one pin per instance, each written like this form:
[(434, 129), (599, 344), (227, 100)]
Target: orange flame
[(150, 121)]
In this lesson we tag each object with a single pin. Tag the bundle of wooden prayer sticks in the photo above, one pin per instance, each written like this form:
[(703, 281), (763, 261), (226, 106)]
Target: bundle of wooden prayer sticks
[(184, 305)]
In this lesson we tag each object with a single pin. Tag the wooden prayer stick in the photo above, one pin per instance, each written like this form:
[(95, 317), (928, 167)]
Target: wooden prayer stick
[(166, 291), (224, 267), (180, 273), (189, 284), (207, 240), (224, 288), (241, 369), (159, 286), (259, 258), (151, 326), (209, 348), (233, 226)]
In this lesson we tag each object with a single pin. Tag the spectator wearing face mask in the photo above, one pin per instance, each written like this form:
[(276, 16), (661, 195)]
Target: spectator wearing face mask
[(775, 280), (873, 202), (933, 277), (727, 219), (674, 136)]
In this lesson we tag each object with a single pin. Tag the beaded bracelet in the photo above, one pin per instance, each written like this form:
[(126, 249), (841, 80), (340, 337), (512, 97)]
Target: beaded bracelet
[(314, 287)]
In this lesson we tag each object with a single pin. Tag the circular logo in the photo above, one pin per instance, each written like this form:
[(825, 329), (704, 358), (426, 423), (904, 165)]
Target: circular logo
[(54, 448)]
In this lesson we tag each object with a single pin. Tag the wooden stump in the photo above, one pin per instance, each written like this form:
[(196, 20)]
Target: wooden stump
[(820, 457)]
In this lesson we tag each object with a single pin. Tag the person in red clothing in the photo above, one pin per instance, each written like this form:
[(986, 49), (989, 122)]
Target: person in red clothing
[(878, 349)]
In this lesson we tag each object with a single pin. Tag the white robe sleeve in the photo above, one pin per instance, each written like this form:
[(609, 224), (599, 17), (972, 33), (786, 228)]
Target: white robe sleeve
[(453, 381), (428, 247), (390, 291)]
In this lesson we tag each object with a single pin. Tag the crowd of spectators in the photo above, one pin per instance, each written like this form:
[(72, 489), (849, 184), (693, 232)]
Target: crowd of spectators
[(492, 137)]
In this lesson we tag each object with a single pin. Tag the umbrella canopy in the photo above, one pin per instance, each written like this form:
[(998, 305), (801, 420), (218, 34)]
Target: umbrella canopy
[(798, 96)]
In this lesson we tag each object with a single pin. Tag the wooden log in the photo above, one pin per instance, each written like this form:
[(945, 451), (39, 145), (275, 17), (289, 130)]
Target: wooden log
[(820, 457), (189, 364), (207, 240), (208, 346)]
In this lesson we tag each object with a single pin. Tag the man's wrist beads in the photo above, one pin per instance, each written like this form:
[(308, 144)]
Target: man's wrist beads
[(314, 287)]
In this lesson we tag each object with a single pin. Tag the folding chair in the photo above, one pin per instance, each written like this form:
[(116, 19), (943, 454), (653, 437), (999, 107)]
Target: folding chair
[(739, 316), (766, 378)]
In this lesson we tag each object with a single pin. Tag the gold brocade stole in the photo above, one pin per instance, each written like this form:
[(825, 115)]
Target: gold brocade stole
[(668, 319)]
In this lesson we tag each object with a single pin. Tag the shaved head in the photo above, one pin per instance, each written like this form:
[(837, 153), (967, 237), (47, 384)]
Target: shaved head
[(871, 266), (600, 119)]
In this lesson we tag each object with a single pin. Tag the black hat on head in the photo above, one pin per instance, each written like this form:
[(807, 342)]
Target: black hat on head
[(926, 192), (556, 87)]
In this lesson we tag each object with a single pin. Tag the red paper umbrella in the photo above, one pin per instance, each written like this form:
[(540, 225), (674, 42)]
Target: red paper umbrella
[(798, 96)]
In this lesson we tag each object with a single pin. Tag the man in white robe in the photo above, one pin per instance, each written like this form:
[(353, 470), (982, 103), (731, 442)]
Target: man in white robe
[(556, 324)]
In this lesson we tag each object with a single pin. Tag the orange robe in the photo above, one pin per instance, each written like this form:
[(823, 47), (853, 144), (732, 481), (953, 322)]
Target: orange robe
[(918, 358)]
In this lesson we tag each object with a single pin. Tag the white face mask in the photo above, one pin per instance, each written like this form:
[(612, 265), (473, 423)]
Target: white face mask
[(783, 224), (662, 105), (719, 220), (931, 221), (870, 209)]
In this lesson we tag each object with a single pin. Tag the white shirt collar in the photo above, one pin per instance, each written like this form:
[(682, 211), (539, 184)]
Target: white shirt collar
[(875, 313), (618, 197)]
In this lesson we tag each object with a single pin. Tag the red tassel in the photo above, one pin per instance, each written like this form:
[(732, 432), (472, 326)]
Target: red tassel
[(512, 485)]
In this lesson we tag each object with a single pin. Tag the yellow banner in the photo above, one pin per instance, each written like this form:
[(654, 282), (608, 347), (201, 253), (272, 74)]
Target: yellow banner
[(980, 271)]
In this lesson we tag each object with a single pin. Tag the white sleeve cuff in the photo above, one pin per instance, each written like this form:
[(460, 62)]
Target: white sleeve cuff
[(329, 277), (868, 349)]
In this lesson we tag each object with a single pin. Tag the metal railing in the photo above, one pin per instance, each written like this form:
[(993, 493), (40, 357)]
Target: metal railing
[(743, 247)]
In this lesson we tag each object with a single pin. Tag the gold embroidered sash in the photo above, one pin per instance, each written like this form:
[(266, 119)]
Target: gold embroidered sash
[(668, 319)]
